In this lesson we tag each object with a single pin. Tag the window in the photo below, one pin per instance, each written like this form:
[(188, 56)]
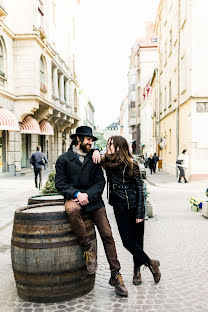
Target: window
[(54, 14), (1, 59), (171, 41), (42, 74), (170, 93), (40, 15), (75, 101), (165, 99), (2, 62), (170, 141)]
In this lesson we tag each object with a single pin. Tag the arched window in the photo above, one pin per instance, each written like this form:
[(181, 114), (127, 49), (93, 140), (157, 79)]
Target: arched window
[(2, 57), (42, 74)]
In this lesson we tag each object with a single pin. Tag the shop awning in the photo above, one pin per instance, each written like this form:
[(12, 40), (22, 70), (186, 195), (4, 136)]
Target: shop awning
[(30, 126), (8, 120), (46, 128)]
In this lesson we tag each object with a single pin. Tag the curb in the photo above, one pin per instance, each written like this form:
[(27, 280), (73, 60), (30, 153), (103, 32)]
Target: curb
[(3, 227)]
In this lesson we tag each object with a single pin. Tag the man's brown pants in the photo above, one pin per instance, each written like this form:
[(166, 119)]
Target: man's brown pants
[(100, 219)]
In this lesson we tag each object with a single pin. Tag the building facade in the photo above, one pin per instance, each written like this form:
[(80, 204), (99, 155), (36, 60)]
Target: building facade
[(183, 95), (38, 86), (143, 60), (86, 110), (124, 118), (112, 129)]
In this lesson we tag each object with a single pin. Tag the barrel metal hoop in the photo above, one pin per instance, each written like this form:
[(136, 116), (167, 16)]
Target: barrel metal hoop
[(52, 235), (47, 245)]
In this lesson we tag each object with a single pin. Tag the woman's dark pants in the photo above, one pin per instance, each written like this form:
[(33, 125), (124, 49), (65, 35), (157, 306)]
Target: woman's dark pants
[(132, 234)]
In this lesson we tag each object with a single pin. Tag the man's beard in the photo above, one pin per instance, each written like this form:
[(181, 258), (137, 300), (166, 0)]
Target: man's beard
[(85, 147)]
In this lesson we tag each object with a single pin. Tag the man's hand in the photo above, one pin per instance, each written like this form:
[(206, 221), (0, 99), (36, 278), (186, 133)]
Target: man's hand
[(96, 158), (139, 220), (82, 198)]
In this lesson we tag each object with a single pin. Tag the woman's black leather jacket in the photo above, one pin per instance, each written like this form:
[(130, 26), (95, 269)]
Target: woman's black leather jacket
[(126, 192)]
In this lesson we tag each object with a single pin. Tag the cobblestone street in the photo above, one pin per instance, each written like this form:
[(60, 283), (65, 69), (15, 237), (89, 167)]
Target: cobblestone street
[(176, 236)]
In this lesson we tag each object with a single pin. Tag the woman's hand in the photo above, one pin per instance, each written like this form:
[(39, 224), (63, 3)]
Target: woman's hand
[(139, 220), (96, 157)]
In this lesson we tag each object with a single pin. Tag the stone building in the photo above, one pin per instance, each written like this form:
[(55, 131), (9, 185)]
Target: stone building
[(143, 60), (124, 116), (182, 82), (39, 92), (112, 129), (86, 110)]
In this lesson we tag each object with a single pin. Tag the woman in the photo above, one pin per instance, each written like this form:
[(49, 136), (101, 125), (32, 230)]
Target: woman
[(127, 198), (183, 163)]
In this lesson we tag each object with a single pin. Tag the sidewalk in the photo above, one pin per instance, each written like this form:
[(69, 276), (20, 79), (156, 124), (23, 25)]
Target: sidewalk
[(14, 194), (167, 181)]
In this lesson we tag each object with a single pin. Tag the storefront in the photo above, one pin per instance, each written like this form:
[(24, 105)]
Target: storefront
[(8, 122), (29, 127)]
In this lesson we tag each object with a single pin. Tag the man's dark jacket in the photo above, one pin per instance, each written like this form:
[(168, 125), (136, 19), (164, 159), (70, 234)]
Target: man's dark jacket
[(73, 176)]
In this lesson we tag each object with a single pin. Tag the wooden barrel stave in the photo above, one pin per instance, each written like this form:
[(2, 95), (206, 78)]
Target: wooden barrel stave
[(41, 254)]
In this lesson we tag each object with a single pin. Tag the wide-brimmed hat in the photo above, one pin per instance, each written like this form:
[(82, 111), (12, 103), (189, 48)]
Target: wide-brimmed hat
[(85, 131)]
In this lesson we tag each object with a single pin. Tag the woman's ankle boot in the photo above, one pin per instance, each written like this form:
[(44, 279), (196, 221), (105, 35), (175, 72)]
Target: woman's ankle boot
[(137, 276)]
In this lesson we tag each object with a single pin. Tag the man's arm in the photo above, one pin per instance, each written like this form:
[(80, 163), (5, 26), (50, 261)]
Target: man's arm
[(96, 190), (32, 160), (61, 182)]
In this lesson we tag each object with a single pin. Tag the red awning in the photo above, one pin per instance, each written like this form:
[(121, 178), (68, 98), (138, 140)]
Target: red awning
[(46, 128), (30, 126), (8, 121)]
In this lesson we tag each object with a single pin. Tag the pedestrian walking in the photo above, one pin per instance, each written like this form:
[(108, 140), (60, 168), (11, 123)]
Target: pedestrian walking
[(151, 164), (155, 158), (38, 160), (183, 163), (126, 195), (81, 182)]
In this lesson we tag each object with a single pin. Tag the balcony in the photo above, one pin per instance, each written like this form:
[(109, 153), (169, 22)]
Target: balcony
[(3, 13)]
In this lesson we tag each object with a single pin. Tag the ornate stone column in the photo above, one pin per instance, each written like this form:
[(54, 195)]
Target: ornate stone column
[(67, 94), (55, 83), (61, 88)]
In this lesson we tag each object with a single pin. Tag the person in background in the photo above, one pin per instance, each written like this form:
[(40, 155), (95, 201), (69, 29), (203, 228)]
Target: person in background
[(151, 163), (126, 195), (38, 160), (184, 163), (81, 181), (155, 157)]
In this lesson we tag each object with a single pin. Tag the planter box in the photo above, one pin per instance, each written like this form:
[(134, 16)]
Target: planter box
[(205, 209)]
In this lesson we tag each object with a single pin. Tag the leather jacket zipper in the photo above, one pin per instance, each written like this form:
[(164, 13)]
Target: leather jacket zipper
[(125, 190)]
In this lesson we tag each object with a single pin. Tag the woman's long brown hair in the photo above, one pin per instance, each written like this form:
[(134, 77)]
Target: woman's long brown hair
[(122, 156)]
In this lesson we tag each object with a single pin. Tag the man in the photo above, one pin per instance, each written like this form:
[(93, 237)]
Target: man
[(183, 163), (81, 182), (38, 160), (155, 158)]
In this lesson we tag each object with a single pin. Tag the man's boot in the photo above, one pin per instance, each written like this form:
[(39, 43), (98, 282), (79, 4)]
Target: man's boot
[(153, 265), (91, 260), (137, 280), (117, 282)]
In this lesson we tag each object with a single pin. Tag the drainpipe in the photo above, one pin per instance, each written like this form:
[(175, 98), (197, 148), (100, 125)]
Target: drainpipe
[(179, 91), (156, 111)]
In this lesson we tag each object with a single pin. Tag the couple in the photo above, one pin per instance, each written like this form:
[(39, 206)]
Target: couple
[(80, 179)]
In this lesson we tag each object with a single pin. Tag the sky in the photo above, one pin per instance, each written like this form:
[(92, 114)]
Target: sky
[(106, 31)]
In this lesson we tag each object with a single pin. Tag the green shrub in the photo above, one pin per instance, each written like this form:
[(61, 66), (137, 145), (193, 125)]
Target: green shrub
[(50, 184)]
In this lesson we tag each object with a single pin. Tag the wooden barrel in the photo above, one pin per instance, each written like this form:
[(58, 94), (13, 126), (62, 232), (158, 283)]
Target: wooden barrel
[(47, 260), (47, 198)]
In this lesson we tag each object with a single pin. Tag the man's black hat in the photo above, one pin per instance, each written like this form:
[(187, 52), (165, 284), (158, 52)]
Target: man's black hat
[(85, 131)]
